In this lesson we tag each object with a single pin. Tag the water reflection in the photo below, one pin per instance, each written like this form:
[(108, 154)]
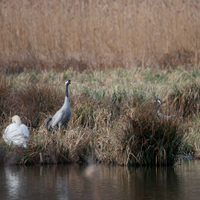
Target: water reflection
[(113, 182), (14, 179)]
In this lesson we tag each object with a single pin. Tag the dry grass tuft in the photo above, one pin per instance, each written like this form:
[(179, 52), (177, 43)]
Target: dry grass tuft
[(152, 140), (186, 100), (137, 137), (33, 101), (5, 90)]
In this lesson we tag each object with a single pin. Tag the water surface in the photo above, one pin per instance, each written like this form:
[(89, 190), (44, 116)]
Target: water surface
[(111, 182)]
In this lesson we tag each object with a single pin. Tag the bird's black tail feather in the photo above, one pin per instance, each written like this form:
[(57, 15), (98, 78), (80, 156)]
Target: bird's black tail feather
[(48, 124)]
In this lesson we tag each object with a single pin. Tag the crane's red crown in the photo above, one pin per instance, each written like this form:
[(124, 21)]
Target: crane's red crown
[(159, 101)]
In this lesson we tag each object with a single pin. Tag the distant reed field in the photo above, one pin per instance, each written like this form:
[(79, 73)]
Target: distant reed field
[(99, 34)]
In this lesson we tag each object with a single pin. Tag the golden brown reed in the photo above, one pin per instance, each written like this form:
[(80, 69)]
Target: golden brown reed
[(82, 34)]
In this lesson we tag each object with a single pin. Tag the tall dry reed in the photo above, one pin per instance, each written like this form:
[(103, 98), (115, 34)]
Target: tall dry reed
[(82, 34)]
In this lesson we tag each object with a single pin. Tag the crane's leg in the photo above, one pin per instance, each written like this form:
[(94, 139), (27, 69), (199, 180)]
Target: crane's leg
[(60, 126), (65, 127)]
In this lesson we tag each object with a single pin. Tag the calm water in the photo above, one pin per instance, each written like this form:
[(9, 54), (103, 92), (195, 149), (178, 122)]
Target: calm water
[(112, 182)]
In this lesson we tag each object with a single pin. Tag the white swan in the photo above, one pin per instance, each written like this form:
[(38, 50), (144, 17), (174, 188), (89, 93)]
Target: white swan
[(16, 133)]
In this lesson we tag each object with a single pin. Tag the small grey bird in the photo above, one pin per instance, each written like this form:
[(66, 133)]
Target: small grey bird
[(161, 115), (62, 116)]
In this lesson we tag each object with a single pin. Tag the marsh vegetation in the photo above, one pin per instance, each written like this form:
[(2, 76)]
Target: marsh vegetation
[(120, 56), (114, 116)]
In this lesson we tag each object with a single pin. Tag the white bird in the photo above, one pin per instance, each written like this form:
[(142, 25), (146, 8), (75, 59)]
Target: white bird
[(62, 116), (16, 133), (161, 115)]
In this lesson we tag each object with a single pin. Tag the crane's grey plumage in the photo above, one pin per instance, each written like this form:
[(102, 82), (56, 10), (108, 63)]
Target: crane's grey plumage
[(161, 115), (62, 116)]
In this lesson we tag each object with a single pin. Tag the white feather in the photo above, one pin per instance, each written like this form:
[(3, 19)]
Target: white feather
[(16, 134)]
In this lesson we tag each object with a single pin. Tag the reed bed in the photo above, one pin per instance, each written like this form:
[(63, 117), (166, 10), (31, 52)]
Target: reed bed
[(114, 116), (98, 34)]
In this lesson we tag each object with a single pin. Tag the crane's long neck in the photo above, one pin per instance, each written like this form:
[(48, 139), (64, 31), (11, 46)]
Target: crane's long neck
[(158, 111), (66, 91), (66, 95)]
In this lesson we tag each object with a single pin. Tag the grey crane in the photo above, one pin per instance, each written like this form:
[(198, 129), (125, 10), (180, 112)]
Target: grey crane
[(161, 115), (62, 116)]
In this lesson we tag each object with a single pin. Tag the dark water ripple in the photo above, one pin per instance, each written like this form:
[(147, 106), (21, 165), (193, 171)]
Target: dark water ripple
[(70, 182)]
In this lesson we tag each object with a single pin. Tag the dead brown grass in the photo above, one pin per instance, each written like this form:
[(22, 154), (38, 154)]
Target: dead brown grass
[(123, 139), (83, 34), (186, 100), (113, 115), (32, 102), (5, 89), (107, 129)]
